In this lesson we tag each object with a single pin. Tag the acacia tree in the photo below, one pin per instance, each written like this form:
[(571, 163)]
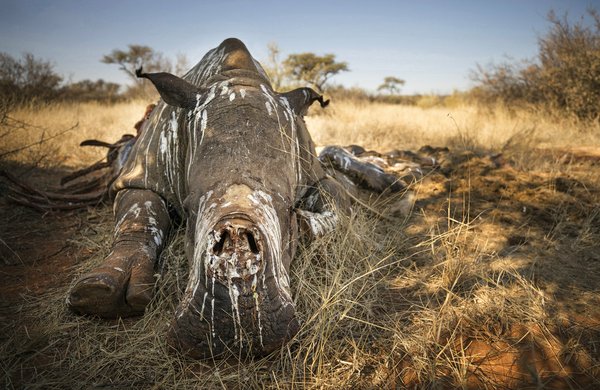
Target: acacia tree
[(391, 84), (136, 56), (151, 60), (313, 69)]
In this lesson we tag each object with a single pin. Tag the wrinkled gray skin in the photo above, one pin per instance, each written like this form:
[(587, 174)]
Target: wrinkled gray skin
[(233, 158)]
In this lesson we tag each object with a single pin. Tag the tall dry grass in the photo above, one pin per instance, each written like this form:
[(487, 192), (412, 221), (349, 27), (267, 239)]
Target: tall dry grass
[(385, 301), (383, 127), (376, 126), (51, 133)]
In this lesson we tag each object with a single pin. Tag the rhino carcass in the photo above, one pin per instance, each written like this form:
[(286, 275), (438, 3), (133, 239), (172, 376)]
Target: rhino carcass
[(233, 158)]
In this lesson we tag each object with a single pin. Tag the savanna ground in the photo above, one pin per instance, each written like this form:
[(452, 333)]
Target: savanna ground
[(490, 280)]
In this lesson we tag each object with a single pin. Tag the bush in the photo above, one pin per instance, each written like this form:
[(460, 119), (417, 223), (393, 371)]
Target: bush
[(340, 92), (565, 75), (88, 90), (27, 79)]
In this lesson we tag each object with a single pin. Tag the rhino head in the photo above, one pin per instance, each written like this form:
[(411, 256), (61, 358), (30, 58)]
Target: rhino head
[(244, 163)]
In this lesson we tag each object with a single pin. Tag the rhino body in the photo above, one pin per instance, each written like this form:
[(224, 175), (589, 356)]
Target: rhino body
[(233, 159)]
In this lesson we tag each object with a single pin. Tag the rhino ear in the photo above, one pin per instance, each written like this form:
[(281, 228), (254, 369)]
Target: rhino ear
[(173, 90), (301, 99)]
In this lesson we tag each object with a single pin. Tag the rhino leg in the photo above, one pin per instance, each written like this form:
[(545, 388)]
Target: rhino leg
[(363, 173), (122, 285)]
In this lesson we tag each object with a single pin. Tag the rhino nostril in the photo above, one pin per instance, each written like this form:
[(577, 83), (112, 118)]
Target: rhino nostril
[(218, 247), (252, 243)]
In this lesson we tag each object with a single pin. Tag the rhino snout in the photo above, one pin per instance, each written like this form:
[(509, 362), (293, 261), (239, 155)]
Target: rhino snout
[(235, 251), (240, 299)]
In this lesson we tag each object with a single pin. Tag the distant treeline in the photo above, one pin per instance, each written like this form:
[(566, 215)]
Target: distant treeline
[(564, 77), (28, 79)]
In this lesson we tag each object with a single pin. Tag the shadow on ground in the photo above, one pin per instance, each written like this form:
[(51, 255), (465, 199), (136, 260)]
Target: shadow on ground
[(503, 263)]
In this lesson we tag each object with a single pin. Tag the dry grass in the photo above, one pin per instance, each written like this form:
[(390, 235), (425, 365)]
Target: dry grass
[(469, 290), (338, 290), (375, 126), (385, 127), (30, 125)]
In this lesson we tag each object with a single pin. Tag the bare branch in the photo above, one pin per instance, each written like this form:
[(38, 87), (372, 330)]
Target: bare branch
[(42, 140)]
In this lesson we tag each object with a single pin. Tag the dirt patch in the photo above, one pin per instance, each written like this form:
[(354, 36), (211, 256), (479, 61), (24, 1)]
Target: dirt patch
[(543, 227), (35, 250), (496, 286)]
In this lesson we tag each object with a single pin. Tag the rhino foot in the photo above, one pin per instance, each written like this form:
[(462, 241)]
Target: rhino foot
[(121, 287)]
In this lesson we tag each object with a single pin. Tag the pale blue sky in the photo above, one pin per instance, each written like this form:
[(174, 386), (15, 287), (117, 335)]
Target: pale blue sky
[(431, 44)]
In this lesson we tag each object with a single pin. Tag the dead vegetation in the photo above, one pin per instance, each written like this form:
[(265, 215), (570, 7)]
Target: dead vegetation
[(489, 281)]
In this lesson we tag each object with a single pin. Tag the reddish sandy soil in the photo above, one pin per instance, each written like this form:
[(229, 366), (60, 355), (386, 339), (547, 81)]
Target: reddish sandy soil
[(548, 224)]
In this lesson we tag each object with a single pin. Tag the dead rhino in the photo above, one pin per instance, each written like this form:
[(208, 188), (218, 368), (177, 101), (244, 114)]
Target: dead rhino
[(233, 159)]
